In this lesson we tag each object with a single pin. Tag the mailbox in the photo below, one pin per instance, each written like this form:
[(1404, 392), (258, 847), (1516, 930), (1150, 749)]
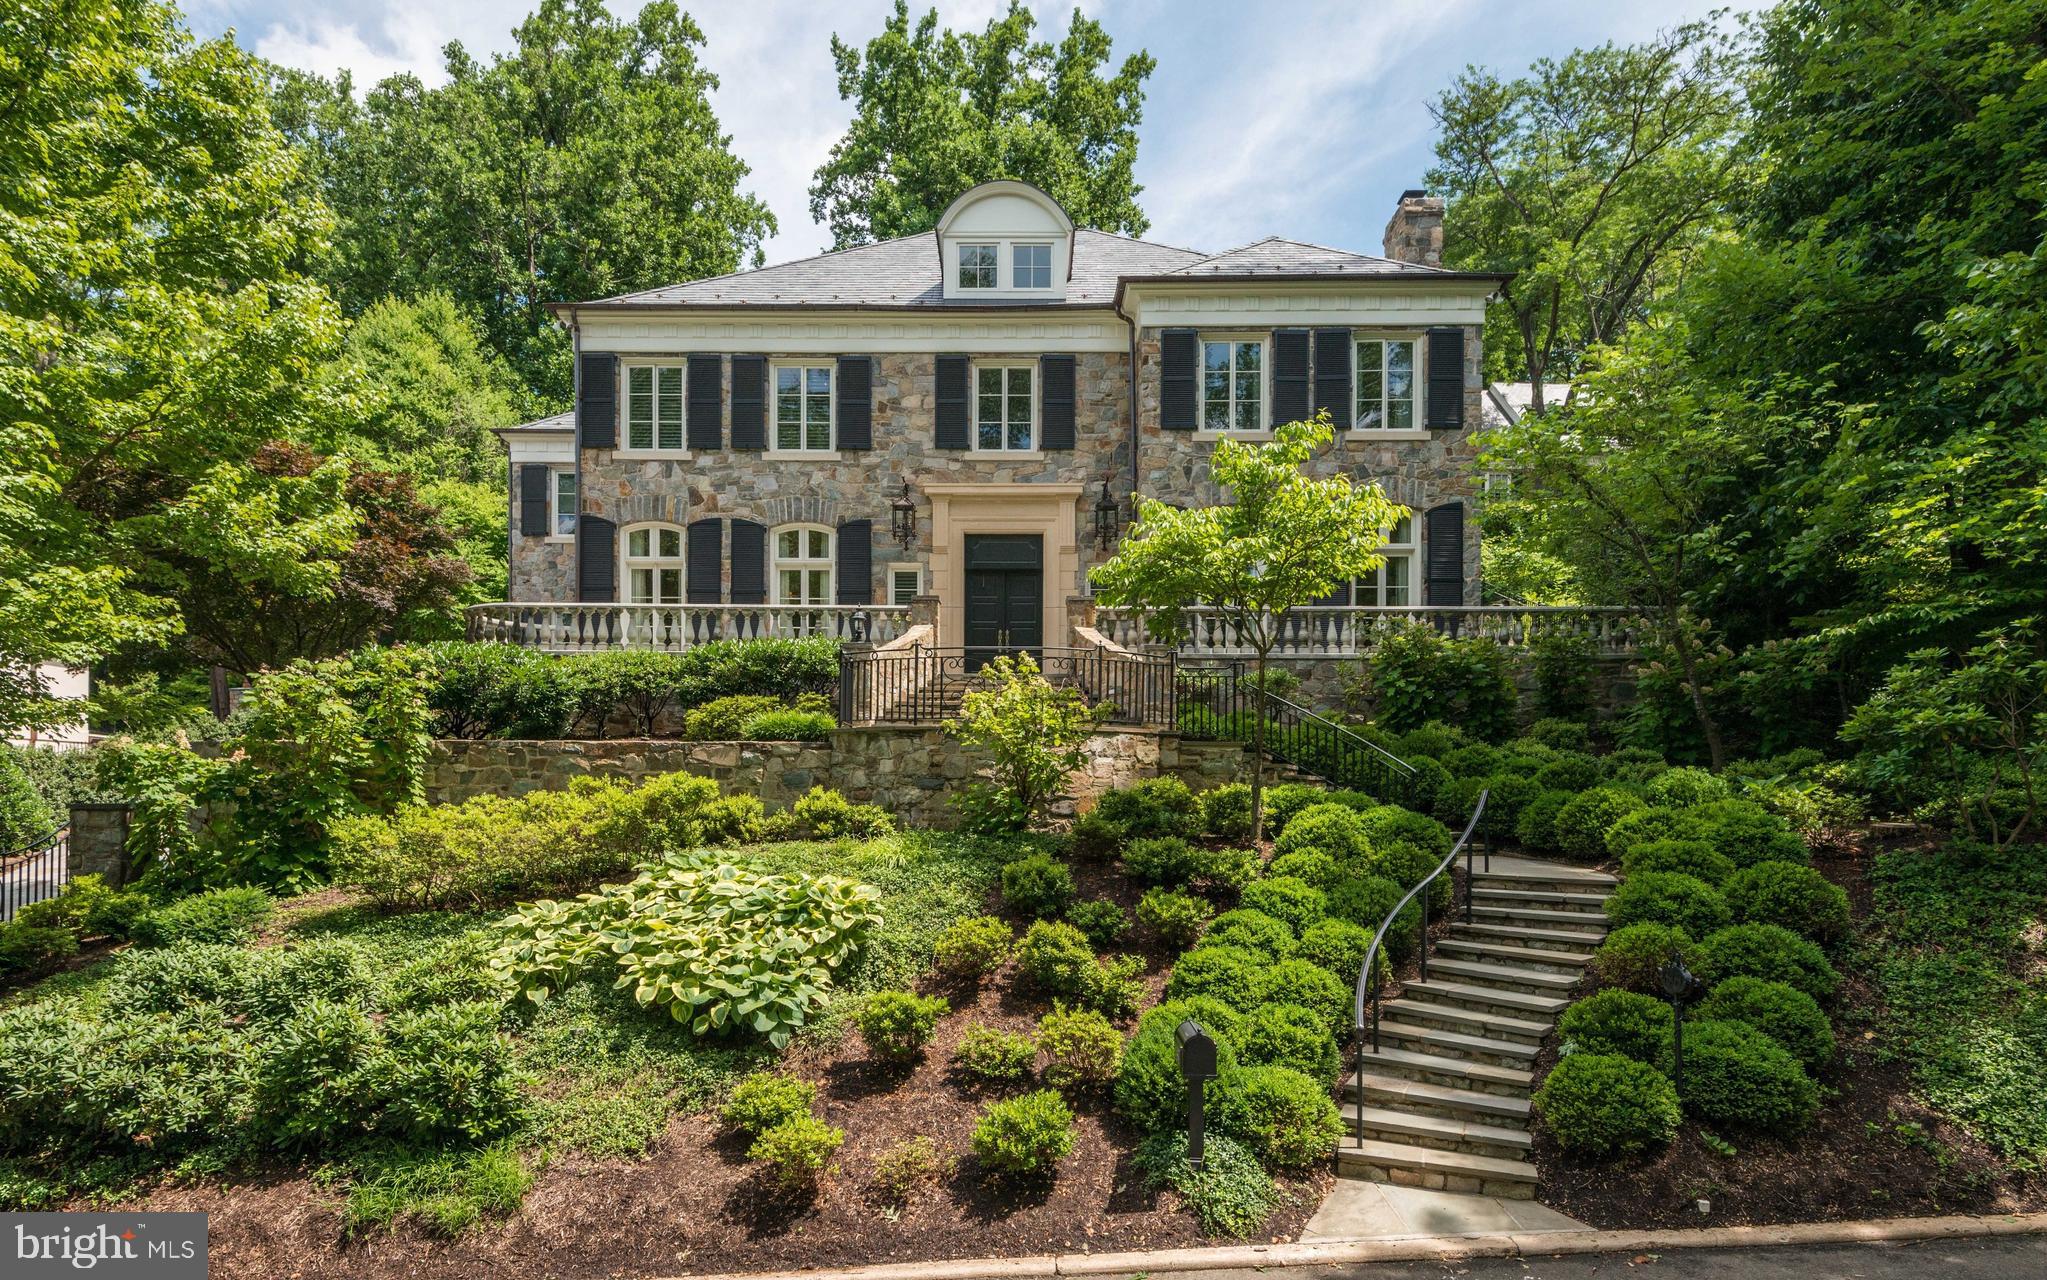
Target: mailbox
[(1197, 1052)]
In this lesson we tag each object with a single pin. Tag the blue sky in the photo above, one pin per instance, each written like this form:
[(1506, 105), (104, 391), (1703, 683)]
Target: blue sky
[(1302, 118)]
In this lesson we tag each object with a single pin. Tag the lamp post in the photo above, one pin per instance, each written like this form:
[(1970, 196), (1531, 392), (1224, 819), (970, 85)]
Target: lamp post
[(1196, 1054), (903, 518), (1680, 987)]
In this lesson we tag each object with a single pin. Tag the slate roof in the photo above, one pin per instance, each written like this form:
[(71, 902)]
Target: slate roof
[(906, 272), (559, 422)]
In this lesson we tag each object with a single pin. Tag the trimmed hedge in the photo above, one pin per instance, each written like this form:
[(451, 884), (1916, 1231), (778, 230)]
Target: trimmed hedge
[(1797, 897), (1693, 858), (1632, 958), (1736, 1077), (1781, 1012), (1603, 1104), (1285, 1117), (1581, 825), (1766, 951), (1626, 1023), (1668, 898)]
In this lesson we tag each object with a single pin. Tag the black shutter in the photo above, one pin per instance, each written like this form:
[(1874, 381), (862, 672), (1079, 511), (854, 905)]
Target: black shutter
[(1055, 401), (749, 402), (1289, 375), (1333, 354), (1443, 554), (749, 562), (856, 402), (597, 403), (533, 478), (1339, 596), (596, 559), (856, 562), (952, 402), (703, 556), (1446, 378), (1179, 374), (706, 403)]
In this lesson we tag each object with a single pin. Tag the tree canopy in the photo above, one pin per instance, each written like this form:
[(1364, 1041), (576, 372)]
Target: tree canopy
[(937, 111)]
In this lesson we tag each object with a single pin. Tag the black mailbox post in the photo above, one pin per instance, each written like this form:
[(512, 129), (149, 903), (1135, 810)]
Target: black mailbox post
[(1197, 1064)]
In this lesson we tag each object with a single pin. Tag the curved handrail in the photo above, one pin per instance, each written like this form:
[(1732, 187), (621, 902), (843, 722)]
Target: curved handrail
[(41, 844), (1338, 726)]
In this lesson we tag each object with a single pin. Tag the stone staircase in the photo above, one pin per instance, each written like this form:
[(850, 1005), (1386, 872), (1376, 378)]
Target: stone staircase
[(1445, 1100)]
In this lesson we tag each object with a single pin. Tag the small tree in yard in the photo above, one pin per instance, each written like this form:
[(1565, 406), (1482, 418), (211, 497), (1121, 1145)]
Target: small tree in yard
[(1032, 732), (1283, 540)]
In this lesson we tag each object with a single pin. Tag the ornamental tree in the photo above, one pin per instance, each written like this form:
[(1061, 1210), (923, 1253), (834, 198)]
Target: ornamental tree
[(1282, 540), (1032, 732)]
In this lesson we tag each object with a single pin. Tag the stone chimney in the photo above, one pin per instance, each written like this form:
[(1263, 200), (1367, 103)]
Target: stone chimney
[(1416, 232)]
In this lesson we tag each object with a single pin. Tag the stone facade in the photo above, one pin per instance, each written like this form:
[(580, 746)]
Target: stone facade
[(98, 844)]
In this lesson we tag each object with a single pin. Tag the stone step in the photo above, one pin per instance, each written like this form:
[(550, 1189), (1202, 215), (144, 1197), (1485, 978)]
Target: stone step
[(1576, 941), (1493, 1026), (1583, 902), (1520, 957), (1486, 999), (1411, 1166), (1441, 1132), (1397, 1093), (1451, 1073), (1592, 923), (1455, 1044), (1486, 973), (1544, 878)]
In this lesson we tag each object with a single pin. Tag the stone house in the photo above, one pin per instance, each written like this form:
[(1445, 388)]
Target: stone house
[(967, 416)]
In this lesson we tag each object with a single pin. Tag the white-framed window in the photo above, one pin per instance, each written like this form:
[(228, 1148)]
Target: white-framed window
[(1392, 586), (905, 583), (1386, 384), (803, 408), (1233, 384), (653, 564), (1030, 266), (653, 407), (1005, 406), (977, 266), (803, 564), (561, 503)]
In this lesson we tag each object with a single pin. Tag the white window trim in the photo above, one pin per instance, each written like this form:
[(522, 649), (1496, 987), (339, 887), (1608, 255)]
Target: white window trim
[(1005, 266), (1410, 551), (1051, 264), (625, 428), (1264, 430), (1037, 448), (627, 562), (775, 449), (830, 563), (1415, 432), (959, 266), (554, 475), (900, 567)]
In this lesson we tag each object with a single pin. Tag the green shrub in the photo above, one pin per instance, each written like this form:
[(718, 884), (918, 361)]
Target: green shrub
[(789, 725), (725, 719), (1024, 1137), (174, 978), (1603, 1104), (1736, 1077), (449, 1075), (1312, 987), (1311, 866), (988, 1054), (1081, 1048), (1226, 812), (1646, 825), (1100, 919), (1153, 807), (974, 946), (1570, 772), (1252, 931), (219, 915), (1333, 829), (1231, 1194), (314, 1078), (1163, 860), (1406, 864), (1287, 1119), (1229, 974), (763, 1100), (1435, 739), (907, 1166), (826, 815), (1175, 917), (1536, 829), (1581, 825), (1783, 1013), (499, 691), (24, 816), (1337, 945), (1150, 1091), (1288, 1035), (1390, 822), (1766, 951), (1037, 886), (1419, 789), (1473, 760), (278, 980), (88, 907), (1286, 800), (1665, 897), (1507, 794), (1686, 788), (1296, 903), (798, 1150), (1618, 1022), (1797, 897), (1560, 734), (1745, 833), (1366, 902), (1223, 870), (1694, 858), (1055, 958), (1113, 986), (1095, 838), (740, 819), (898, 1024), (31, 948), (1632, 958)]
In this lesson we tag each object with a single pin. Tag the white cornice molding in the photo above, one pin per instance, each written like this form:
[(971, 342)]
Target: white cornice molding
[(1304, 303), (853, 332)]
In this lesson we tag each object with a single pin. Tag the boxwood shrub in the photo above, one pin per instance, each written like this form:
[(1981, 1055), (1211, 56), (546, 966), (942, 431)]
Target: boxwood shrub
[(1783, 1013), (1226, 812), (971, 947), (763, 1100), (1037, 886), (1153, 807), (1337, 945), (1253, 931), (1797, 897), (1286, 1118), (1309, 985), (1645, 825), (1766, 951), (1365, 903), (1686, 788), (1229, 974), (1311, 866), (1632, 958), (1286, 800), (1024, 1137), (1150, 1091), (1536, 829), (1570, 771), (1735, 1077), (1291, 1036), (1581, 825), (1168, 861), (1405, 863), (1390, 822), (1333, 829), (1666, 897), (1745, 833), (1618, 1022), (1604, 1104), (1693, 858), (1296, 902)]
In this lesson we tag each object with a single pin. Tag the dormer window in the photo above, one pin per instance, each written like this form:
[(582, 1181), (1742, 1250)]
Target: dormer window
[(1031, 266), (977, 266)]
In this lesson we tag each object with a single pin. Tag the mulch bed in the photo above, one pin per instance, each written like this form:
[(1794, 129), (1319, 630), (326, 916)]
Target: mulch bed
[(1874, 1151), (696, 1205)]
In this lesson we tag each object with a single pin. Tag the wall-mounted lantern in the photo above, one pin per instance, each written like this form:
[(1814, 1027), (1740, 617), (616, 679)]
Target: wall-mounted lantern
[(903, 518), (1108, 519)]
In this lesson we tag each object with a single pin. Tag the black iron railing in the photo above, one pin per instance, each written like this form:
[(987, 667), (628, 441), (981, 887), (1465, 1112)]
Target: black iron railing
[(1223, 703), (920, 685), (35, 871), (1365, 1036)]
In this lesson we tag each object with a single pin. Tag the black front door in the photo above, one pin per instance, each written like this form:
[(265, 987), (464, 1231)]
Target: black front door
[(1005, 595)]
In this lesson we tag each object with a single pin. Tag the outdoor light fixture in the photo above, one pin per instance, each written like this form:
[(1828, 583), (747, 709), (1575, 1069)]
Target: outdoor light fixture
[(903, 518), (1196, 1053), (1108, 518), (1680, 987), (857, 626)]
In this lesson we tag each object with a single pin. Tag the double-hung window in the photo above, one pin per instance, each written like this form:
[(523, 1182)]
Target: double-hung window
[(1233, 385), (1392, 586), (562, 504), (653, 407), (977, 266), (1385, 384), (803, 408), (653, 564), (803, 565), (1003, 395), (1030, 266)]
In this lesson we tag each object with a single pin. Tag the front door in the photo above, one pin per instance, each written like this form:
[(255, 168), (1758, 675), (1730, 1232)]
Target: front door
[(1005, 595)]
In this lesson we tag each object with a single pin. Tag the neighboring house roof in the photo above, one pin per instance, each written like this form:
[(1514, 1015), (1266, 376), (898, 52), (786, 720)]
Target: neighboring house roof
[(559, 422), (1505, 402), (1277, 256)]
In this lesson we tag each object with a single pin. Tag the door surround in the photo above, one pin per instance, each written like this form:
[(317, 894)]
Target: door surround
[(1048, 510)]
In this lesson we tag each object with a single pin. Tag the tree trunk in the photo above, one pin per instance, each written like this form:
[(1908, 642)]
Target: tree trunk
[(1258, 758), (1688, 659)]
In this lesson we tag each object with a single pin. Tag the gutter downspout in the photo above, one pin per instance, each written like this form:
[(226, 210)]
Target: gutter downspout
[(1132, 322), (575, 407)]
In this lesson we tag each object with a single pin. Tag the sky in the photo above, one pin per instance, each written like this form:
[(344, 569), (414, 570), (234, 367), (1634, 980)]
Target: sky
[(1301, 118)]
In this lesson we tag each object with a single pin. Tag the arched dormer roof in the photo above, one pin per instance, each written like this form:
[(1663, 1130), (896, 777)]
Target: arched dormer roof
[(1005, 205), (1004, 241)]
